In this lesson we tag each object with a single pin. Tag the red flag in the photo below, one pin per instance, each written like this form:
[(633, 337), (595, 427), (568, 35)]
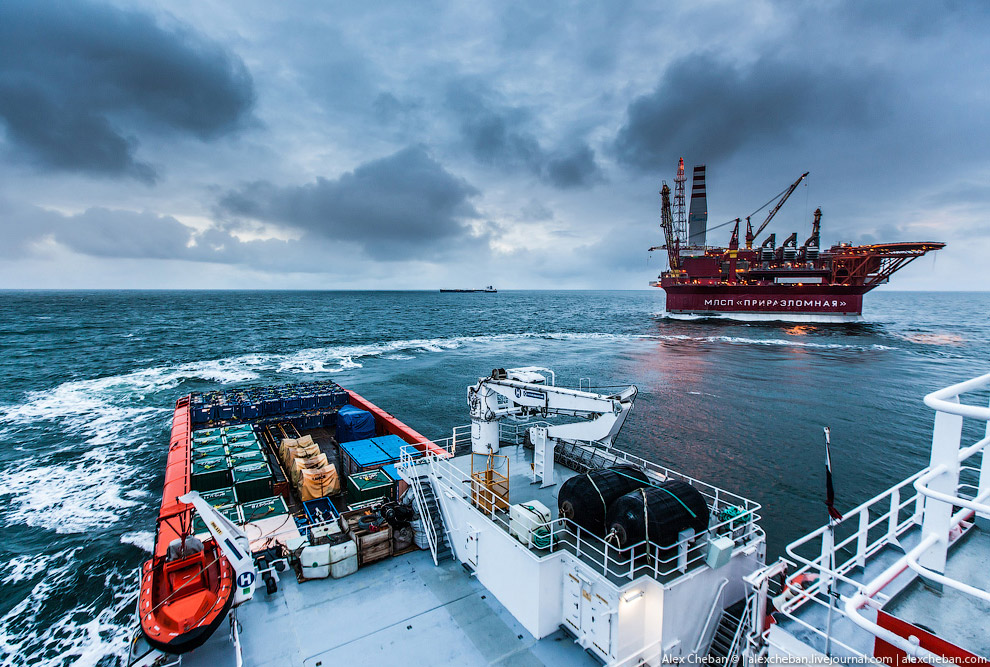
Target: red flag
[(829, 491)]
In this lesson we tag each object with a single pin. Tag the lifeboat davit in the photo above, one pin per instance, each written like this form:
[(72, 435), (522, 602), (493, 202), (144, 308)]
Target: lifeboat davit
[(184, 598)]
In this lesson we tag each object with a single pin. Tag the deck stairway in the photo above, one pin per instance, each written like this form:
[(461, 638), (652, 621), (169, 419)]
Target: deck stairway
[(724, 649), (432, 518)]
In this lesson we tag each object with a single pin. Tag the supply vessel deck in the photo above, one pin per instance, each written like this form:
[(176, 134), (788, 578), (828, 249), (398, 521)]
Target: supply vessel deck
[(528, 537), (794, 283)]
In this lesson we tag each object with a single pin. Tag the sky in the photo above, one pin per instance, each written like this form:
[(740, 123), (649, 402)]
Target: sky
[(378, 145)]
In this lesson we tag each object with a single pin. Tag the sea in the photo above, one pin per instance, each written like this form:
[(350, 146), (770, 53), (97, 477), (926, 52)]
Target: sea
[(89, 379)]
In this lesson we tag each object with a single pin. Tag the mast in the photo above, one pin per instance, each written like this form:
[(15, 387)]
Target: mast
[(680, 220)]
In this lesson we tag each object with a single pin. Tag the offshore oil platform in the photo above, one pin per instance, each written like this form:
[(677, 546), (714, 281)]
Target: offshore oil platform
[(767, 282)]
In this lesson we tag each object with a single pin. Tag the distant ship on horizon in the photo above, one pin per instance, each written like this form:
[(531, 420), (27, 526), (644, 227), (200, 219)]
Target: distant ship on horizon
[(790, 282), (488, 290)]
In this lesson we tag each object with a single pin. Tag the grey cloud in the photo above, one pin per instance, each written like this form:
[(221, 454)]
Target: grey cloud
[(77, 80), (404, 203), (710, 109), (499, 135)]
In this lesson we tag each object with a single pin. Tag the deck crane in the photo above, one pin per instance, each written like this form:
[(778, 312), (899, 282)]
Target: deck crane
[(531, 392), (773, 211), (672, 243)]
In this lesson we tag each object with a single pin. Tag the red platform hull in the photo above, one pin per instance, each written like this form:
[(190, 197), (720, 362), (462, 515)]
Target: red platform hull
[(773, 300)]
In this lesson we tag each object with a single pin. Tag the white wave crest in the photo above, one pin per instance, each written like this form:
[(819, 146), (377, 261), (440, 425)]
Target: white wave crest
[(68, 497), (83, 636), (777, 342), (142, 539)]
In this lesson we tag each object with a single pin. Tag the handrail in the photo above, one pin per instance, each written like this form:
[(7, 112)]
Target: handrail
[(711, 614), (641, 657), (418, 496), (942, 400)]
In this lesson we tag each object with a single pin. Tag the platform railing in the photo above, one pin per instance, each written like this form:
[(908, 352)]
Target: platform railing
[(661, 562)]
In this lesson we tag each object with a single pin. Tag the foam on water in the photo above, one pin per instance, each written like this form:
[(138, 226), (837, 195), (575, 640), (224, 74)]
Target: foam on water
[(142, 539), (67, 498), (83, 636)]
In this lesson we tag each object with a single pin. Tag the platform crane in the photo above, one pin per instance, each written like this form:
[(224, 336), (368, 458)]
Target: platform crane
[(773, 211), (531, 392)]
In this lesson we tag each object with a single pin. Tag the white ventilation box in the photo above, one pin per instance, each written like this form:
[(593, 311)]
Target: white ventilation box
[(524, 518), (719, 551)]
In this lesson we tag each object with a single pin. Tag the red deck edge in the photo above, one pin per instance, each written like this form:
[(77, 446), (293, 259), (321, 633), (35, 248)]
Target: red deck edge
[(390, 425), (177, 480)]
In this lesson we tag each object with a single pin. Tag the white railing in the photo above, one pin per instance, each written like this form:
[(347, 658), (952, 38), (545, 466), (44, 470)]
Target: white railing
[(923, 503), (661, 562), (711, 615), (644, 656)]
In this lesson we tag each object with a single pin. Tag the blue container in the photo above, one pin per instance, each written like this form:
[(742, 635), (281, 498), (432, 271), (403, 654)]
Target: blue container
[(391, 445), (308, 402), (225, 412), (340, 398), (200, 413), (312, 421), (250, 410), (360, 455), (329, 420), (354, 424), (320, 510), (291, 405), (391, 471), (271, 407), (324, 401)]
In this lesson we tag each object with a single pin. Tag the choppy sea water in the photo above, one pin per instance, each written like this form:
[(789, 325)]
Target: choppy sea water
[(88, 379)]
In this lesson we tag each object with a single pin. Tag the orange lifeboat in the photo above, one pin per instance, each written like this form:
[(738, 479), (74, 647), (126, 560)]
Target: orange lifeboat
[(185, 595), (187, 586)]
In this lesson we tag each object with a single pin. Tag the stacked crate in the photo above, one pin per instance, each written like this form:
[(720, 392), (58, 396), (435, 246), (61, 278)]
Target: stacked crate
[(306, 404)]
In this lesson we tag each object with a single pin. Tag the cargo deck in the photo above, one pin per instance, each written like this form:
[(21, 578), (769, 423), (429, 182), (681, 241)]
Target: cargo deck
[(401, 611)]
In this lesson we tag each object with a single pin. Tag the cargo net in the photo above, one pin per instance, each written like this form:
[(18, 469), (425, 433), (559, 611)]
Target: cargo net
[(583, 458)]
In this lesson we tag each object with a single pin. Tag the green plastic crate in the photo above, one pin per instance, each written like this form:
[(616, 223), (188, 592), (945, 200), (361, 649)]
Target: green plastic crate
[(207, 433), (369, 485), (252, 481), (210, 474), (247, 456), (221, 497), (240, 428), (241, 437), (207, 441), (244, 446), (265, 508), (230, 511), (208, 451)]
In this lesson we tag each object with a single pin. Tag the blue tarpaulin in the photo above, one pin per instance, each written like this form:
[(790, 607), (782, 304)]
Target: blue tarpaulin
[(354, 424)]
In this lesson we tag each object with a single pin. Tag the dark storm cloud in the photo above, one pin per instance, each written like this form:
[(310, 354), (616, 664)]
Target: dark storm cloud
[(499, 135), (78, 79), (710, 109), (406, 202)]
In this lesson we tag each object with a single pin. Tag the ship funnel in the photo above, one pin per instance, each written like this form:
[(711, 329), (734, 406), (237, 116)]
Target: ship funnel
[(698, 215)]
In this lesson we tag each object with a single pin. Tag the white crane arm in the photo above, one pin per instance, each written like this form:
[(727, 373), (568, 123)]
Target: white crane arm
[(232, 541)]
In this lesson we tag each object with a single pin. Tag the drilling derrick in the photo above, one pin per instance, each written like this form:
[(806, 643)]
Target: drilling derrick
[(680, 217)]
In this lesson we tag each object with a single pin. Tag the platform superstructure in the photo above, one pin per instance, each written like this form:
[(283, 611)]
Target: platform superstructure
[(767, 282)]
